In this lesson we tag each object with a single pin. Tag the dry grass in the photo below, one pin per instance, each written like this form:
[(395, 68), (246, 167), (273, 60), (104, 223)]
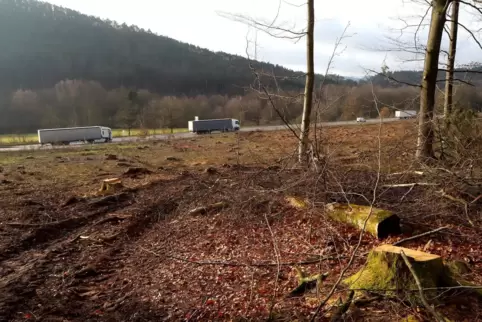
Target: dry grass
[(32, 138)]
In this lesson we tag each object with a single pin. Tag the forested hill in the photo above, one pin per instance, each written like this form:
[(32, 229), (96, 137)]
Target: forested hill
[(414, 77), (44, 44)]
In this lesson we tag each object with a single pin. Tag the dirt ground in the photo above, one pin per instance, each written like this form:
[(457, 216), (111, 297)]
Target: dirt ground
[(70, 253)]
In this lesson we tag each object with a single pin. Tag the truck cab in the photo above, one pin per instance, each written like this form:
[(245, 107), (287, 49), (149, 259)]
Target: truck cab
[(236, 125), (106, 134)]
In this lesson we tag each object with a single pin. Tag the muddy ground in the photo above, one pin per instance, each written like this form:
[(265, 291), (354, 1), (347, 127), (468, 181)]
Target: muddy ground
[(70, 253)]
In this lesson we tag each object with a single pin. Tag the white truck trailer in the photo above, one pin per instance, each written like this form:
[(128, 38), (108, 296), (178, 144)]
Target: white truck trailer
[(208, 126), (406, 114), (67, 135)]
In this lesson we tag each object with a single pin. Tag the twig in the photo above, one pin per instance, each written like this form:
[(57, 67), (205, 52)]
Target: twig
[(278, 269), (463, 202), (343, 308), (419, 173), (476, 199), (406, 185), (420, 289), (406, 193), (203, 210), (419, 235)]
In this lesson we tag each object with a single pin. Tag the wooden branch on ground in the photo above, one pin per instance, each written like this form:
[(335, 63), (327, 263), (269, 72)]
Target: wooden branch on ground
[(476, 199), (436, 316), (419, 173), (419, 235), (409, 185), (406, 193), (203, 210)]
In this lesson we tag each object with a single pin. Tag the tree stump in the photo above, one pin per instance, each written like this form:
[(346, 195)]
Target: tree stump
[(297, 202), (381, 223), (386, 272), (110, 185)]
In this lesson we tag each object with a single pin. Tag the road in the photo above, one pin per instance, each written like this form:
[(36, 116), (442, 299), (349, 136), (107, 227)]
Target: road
[(180, 135)]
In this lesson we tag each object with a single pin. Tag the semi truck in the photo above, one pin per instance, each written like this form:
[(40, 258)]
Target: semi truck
[(406, 114), (207, 126), (64, 136)]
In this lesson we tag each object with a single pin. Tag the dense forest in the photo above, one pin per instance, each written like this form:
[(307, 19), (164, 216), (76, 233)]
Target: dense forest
[(59, 67)]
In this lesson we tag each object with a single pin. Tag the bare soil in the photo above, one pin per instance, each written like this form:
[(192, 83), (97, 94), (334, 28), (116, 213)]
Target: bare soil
[(68, 254)]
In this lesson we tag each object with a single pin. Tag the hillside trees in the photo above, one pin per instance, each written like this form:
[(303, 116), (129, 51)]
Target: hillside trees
[(82, 103), (52, 43)]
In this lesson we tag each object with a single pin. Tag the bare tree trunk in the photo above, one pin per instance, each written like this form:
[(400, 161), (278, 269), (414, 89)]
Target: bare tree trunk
[(430, 70), (310, 77), (448, 101)]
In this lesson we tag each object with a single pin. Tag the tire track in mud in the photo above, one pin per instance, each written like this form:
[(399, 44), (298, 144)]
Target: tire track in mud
[(27, 272), (42, 235), (25, 264), (101, 270)]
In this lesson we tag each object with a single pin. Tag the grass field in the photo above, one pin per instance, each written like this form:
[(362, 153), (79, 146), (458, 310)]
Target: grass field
[(140, 252), (32, 138)]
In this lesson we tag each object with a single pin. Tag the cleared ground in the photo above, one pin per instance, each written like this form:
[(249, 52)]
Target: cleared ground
[(70, 254)]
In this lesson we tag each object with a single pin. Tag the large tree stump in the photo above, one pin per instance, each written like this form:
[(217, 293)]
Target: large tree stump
[(381, 223), (386, 272)]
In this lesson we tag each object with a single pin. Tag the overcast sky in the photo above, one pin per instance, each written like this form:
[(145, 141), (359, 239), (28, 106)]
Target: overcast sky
[(366, 47)]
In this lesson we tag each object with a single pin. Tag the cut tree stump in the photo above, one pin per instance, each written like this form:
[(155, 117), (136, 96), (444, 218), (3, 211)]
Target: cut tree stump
[(386, 272), (111, 185), (297, 202), (381, 223)]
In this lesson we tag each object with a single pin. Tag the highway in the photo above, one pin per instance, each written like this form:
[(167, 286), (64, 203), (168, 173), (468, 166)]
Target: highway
[(30, 147)]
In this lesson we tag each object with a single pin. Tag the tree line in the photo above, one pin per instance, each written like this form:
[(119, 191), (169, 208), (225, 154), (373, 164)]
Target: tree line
[(83, 103)]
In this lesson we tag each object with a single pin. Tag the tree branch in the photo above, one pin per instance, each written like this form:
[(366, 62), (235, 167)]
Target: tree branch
[(393, 79), (471, 5), (401, 241), (437, 317), (470, 33), (270, 29)]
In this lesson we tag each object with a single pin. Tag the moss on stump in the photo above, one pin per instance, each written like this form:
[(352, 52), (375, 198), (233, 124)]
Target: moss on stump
[(386, 272), (381, 223)]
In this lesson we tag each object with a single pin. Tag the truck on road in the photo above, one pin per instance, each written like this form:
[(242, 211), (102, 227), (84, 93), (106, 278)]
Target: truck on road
[(406, 114), (64, 136), (207, 126)]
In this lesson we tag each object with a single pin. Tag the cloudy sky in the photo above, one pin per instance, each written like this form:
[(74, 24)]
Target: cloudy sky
[(366, 46)]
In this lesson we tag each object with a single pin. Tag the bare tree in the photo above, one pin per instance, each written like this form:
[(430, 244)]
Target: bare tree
[(429, 80), (310, 78), (448, 101)]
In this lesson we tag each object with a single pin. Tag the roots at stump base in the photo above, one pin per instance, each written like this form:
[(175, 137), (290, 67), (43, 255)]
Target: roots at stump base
[(306, 283)]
